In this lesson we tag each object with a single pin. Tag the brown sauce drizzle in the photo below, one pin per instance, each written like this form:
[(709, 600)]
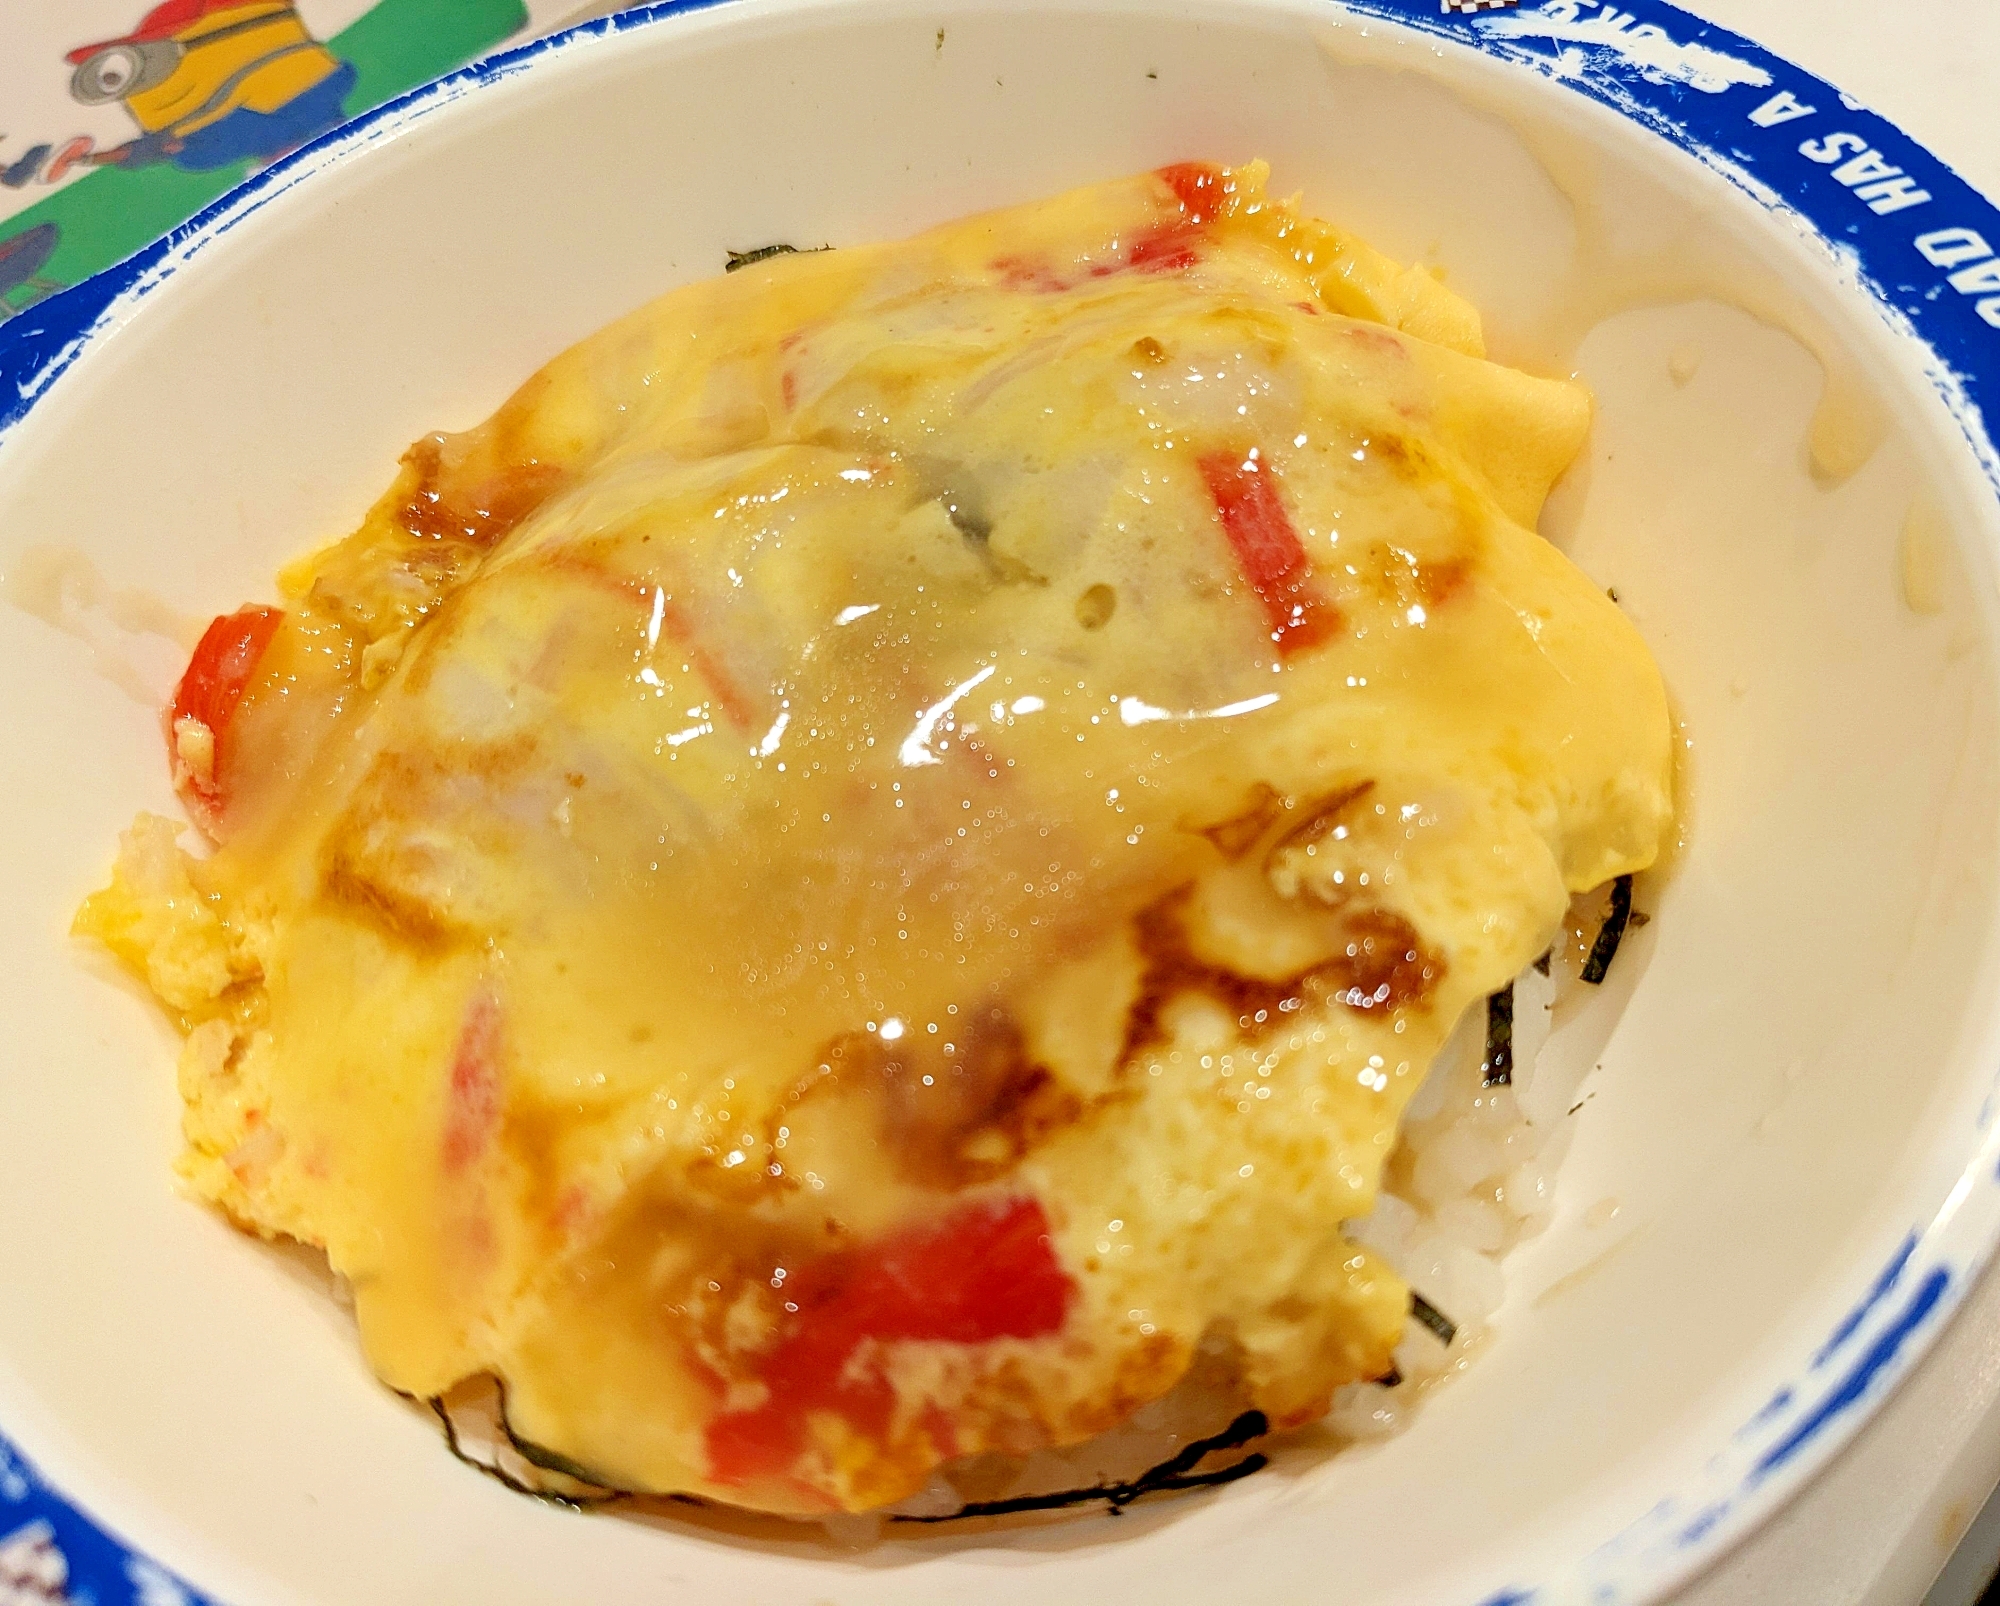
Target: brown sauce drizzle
[(953, 1121), (431, 512), (409, 919), (1322, 819), (957, 1120), (1242, 831), (1439, 582), (1382, 963), (381, 860)]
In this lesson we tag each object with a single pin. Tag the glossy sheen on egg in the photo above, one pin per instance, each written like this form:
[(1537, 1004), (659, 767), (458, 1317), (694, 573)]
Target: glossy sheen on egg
[(877, 854)]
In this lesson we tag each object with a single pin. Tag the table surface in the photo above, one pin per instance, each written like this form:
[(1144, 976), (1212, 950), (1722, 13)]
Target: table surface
[(1878, 1526)]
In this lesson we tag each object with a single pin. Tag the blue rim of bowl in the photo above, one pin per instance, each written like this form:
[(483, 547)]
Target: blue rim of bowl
[(1895, 220)]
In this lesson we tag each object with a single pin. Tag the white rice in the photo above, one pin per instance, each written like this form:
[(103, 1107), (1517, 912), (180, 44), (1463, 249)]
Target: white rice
[(1473, 1174)]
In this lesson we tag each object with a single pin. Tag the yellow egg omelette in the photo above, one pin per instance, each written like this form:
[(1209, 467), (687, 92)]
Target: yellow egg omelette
[(871, 861)]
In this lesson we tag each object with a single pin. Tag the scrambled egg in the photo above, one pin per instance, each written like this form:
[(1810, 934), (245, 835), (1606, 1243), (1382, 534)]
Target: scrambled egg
[(877, 854)]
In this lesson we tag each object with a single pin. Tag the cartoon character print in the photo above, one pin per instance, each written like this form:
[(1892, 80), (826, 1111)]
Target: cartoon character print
[(212, 82)]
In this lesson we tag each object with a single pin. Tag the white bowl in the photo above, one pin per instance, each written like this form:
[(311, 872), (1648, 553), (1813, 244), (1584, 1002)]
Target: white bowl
[(1792, 1115)]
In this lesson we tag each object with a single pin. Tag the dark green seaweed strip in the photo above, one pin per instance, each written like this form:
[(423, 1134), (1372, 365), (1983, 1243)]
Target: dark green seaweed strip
[(1497, 1068), (500, 1475), (553, 1460), (764, 253), (1256, 1461), (549, 1460), (1433, 1318), (743, 259), (1611, 933), (1176, 1472), (1250, 1425), (1118, 1495)]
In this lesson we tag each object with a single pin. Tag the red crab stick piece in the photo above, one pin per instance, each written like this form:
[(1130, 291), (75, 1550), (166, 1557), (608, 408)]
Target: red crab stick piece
[(986, 1271), (210, 690), (1202, 190), (1200, 187), (1268, 550), (472, 1096), (1202, 193)]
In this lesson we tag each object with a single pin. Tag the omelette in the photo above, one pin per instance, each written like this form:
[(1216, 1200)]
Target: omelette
[(869, 864)]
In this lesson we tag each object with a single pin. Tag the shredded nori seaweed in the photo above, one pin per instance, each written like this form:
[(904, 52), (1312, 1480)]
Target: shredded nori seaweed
[(1497, 1068), (507, 1480), (1177, 1472), (552, 1460), (1440, 1324), (1611, 933), (763, 253), (542, 1456)]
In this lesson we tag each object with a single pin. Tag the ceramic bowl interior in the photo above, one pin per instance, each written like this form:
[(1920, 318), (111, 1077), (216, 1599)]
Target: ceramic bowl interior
[(1793, 1058)]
